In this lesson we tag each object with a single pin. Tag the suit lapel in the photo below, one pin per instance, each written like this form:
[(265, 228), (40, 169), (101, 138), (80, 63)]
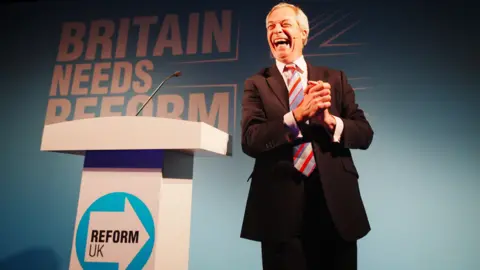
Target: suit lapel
[(312, 72), (277, 85)]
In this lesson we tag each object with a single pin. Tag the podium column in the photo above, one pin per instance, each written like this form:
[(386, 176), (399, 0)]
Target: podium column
[(129, 215)]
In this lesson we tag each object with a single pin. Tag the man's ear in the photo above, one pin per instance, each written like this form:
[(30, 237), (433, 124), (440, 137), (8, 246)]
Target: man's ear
[(304, 34)]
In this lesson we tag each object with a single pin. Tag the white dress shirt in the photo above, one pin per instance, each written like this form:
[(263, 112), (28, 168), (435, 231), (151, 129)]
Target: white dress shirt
[(288, 118)]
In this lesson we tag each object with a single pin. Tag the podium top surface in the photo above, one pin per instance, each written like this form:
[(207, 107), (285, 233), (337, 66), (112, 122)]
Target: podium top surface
[(133, 132)]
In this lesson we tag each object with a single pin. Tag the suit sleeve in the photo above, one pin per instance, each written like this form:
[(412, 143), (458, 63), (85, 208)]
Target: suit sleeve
[(259, 134), (357, 132)]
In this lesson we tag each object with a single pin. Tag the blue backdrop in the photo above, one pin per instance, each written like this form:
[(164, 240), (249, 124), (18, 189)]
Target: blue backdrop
[(413, 67)]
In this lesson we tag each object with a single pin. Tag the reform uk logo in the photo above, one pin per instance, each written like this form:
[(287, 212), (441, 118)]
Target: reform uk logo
[(116, 229)]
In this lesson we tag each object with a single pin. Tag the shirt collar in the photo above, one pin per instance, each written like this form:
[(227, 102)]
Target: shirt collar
[(300, 63)]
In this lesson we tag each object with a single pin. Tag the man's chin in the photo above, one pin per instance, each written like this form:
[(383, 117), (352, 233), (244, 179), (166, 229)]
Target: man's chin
[(281, 55)]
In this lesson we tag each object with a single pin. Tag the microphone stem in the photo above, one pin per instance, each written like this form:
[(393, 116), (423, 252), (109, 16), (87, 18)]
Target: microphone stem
[(153, 94)]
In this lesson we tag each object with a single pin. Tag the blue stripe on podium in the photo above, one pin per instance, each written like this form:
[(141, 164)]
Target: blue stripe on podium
[(144, 159)]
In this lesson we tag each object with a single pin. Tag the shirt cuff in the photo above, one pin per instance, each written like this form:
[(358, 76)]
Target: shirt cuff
[(338, 129), (291, 123)]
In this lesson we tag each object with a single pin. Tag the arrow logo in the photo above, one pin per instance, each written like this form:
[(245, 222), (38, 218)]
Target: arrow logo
[(115, 237)]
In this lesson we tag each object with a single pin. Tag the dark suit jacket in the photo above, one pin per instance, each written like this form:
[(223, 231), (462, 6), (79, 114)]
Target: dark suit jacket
[(275, 200)]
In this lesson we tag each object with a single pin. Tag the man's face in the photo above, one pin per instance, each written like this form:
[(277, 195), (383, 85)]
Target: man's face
[(284, 35)]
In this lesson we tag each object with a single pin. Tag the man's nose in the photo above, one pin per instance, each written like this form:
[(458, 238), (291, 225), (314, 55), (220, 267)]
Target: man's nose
[(278, 28)]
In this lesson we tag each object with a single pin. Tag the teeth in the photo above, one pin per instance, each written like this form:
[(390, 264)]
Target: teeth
[(281, 41)]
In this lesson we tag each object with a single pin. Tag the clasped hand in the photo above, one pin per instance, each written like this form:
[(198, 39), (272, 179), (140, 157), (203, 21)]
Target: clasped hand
[(316, 102)]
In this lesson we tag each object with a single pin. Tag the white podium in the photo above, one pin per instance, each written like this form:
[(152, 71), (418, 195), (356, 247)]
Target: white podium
[(135, 197)]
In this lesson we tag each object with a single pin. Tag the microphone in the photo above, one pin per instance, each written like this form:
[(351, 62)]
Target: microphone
[(176, 74)]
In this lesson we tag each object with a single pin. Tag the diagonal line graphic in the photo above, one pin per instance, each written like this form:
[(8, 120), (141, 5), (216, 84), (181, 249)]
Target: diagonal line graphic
[(327, 43), (328, 27), (312, 21), (314, 24)]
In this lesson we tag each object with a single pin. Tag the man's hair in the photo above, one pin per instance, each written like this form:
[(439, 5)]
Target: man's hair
[(300, 17)]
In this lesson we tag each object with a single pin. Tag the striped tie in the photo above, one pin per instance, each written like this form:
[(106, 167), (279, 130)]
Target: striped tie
[(303, 158)]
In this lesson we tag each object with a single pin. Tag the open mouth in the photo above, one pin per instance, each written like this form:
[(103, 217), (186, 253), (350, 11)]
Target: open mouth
[(280, 43)]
